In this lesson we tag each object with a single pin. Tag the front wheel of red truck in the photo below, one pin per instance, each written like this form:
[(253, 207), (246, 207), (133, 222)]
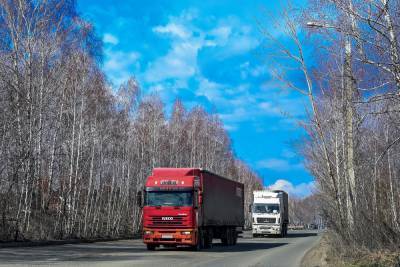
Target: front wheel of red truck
[(200, 241)]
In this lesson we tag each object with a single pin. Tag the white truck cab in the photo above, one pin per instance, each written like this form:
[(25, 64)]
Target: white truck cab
[(270, 213)]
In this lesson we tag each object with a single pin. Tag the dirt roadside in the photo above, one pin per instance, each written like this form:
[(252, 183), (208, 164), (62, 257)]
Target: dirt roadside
[(322, 255), (317, 256)]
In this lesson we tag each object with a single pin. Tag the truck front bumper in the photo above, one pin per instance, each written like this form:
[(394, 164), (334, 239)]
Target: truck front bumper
[(266, 229), (185, 237)]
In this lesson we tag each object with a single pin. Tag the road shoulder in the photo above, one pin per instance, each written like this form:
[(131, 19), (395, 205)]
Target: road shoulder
[(317, 255)]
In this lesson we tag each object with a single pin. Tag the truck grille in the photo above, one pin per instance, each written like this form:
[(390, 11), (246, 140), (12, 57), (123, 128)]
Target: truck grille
[(168, 221), (265, 220)]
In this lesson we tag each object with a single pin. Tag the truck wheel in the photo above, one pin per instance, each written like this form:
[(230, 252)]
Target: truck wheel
[(208, 239), (235, 237), (200, 241), (255, 235), (151, 247), (225, 239), (231, 237)]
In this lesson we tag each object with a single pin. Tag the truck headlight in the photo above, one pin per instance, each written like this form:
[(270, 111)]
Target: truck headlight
[(147, 232), (186, 233)]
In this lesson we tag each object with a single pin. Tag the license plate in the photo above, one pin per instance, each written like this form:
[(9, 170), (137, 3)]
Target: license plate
[(264, 228), (167, 236)]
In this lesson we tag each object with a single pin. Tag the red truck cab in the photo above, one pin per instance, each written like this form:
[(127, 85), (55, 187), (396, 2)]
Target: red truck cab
[(174, 214)]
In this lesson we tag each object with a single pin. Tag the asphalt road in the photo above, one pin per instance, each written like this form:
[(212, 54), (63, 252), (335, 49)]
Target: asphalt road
[(271, 252)]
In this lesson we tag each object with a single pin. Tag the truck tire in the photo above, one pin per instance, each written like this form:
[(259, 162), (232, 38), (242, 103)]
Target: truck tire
[(200, 241), (255, 235), (208, 234), (151, 247), (231, 236), (225, 237), (235, 237)]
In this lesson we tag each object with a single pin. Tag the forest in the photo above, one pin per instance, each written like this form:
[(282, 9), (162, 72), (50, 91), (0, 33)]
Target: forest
[(74, 150), (348, 55)]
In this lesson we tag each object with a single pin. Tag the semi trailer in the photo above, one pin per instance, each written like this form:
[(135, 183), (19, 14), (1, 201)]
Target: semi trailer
[(190, 207), (270, 212)]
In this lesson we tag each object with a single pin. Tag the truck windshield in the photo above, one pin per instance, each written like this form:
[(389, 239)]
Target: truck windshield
[(169, 198), (266, 208)]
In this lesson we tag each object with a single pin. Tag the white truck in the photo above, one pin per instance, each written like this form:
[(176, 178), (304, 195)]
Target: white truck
[(270, 213)]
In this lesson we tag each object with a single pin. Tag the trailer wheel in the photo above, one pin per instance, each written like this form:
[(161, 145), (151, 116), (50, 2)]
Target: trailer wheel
[(208, 238), (151, 247), (225, 236), (230, 236), (235, 237)]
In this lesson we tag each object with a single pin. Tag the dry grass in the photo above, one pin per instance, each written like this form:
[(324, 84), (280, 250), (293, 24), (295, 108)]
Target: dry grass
[(330, 253), (380, 258)]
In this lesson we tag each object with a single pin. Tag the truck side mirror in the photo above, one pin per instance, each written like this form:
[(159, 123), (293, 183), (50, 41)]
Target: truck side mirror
[(139, 199)]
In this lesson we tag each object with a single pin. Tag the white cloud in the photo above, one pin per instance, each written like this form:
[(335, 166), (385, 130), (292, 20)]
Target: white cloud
[(119, 60), (221, 34), (258, 71), (242, 44), (269, 108), (286, 153), (186, 41), (209, 89), (174, 30), (230, 128), (108, 38), (299, 190), (180, 62), (239, 114), (229, 37), (120, 65), (233, 37), (277, 164)]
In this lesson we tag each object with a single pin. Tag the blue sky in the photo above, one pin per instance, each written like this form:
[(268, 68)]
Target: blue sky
[(209, 53)]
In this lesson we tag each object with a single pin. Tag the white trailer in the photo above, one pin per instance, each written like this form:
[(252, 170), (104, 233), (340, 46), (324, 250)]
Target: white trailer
[(270, 212)]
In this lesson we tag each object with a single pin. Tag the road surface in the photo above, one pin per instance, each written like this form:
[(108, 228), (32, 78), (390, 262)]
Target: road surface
[(271, 252)]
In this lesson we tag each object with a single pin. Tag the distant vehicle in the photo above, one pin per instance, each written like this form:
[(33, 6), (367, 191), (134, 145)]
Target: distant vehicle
[(270, 213), (296, 227), (190, 207), (313, 226)]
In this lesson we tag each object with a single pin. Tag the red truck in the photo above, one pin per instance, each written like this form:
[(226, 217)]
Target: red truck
[(190, 207)]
